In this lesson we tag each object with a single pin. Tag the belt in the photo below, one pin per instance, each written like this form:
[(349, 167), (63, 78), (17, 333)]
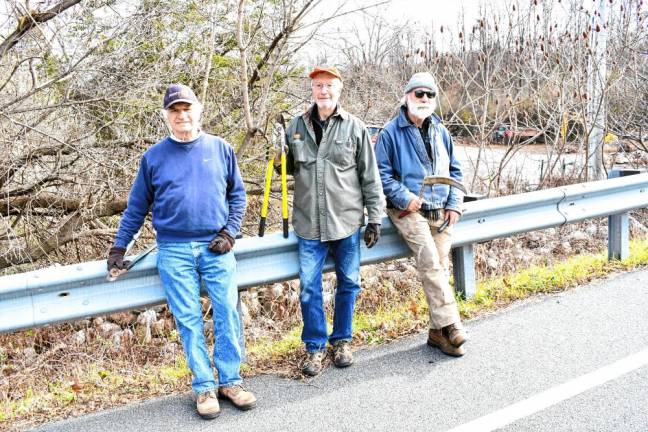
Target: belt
[(432, 214)]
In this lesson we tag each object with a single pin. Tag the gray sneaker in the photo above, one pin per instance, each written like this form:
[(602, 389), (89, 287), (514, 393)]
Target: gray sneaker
[(342, 356), (313, 364)]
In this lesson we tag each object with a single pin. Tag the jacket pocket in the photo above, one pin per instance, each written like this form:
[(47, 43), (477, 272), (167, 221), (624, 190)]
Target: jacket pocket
[(342, 153), (301, 153)]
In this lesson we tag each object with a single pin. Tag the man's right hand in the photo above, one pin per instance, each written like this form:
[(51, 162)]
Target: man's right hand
[(116, 259), (414, 205)]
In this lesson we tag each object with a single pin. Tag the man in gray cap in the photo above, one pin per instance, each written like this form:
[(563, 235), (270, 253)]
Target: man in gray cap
[(191, 182), (413, 145)]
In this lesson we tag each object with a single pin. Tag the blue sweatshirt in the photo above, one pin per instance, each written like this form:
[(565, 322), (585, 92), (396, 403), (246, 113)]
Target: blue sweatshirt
[(194, 189)]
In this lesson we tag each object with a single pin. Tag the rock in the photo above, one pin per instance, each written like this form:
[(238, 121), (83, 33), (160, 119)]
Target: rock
[(159, 327), (254, 333), (492, 263), (245, 315), (108, 329), (80, 337), (544, 251), (518, 252), (327, 297), (293, 297), (147, 317), (578, 236), (29, 356), (277, 290), (170, 350), (121, 337), (253, 304), (566, 246), (98, 321), (206, 305), (82, 324), (591, 230), (124, 319), (208, 328)]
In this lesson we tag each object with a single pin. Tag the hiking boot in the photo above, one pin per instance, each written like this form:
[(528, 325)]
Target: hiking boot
[(456, 334), (342, 356), (437, 338), (207, 405), (240, 398), (313, 364)]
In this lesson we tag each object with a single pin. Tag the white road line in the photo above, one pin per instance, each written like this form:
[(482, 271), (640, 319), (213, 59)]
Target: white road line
[(554, 395)]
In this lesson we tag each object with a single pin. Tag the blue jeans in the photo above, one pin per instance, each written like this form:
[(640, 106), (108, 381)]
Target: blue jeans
[(346, 256), (182, 267)]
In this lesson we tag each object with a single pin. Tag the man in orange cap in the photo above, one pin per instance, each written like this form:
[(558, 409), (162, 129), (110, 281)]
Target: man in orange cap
[(333, 163)]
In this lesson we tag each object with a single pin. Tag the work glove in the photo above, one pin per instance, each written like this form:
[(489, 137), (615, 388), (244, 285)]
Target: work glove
[(116, 259), (222, 243), (371, 234)]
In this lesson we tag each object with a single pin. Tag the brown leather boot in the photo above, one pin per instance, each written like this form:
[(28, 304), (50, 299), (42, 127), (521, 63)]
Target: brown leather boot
[(437, 338), (240, 398), (207, 405), (456, 334)]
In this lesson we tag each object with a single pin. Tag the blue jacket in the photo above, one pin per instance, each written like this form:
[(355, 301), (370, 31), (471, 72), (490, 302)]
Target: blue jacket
[(193, 190), (403, 162)]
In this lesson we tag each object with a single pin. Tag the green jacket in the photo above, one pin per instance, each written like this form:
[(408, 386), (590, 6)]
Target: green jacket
[(335, 182)]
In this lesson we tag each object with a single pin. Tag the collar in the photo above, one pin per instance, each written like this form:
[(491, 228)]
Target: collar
[(180, 141), (338, 112)]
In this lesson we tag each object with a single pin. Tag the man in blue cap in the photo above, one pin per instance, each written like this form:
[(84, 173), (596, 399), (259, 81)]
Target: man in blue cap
[(413, 145), (191, 182)]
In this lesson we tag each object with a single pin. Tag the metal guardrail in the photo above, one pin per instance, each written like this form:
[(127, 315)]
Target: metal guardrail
[(67, 293)]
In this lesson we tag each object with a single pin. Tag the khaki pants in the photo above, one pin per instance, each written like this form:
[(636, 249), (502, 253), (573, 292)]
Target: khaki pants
[(431, 252)]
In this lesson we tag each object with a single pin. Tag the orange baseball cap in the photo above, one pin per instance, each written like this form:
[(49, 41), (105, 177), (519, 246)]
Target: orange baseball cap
[(331, 70)]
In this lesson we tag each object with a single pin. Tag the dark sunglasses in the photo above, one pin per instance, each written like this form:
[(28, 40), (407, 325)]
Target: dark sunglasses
[(419, 94)]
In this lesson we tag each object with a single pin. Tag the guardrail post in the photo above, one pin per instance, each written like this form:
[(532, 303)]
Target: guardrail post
[(619, 225), (463, 264), (463, 271)]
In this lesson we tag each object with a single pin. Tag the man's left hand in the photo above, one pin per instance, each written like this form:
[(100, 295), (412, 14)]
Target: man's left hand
[(371, 234), (452, 216), (222, 243)]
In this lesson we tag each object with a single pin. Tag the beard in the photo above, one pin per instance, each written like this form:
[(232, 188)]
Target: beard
[(421, 110)]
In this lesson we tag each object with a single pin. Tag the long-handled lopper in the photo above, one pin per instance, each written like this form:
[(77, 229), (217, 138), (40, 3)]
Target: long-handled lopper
[(279, 139), (114, 273)]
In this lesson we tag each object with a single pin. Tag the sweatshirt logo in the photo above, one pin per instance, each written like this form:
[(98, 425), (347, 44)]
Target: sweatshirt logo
[(206, 160)]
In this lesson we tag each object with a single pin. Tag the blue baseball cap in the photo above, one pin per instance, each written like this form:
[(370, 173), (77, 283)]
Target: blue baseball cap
[(179, 93)]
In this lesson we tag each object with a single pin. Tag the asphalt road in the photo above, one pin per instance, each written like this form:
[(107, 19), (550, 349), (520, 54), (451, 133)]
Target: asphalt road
[(577, 361)]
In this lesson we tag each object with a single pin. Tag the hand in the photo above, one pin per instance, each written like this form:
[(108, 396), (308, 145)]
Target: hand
[(371, 234), (116, 259), (452, 216), (222, 243), (414, 205), (276, 159)]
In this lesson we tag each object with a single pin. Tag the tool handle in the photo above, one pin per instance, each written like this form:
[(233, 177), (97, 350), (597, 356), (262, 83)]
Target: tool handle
[(403, 213), (443, 226), (114, 273), (262, 224), (285, 228)]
